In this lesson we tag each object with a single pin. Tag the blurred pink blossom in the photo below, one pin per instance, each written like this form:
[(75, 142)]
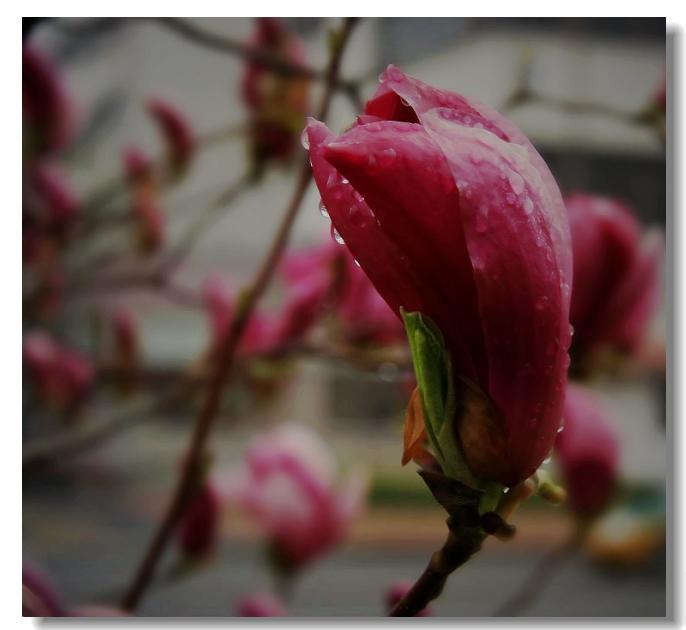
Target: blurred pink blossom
[(137, 166), (61, 375), (290, 486), (200, 524), (363, 315), (260, 605), (588, 452), (177, 133), (616, 274), (46, 108), (277, 104), (38, 596)]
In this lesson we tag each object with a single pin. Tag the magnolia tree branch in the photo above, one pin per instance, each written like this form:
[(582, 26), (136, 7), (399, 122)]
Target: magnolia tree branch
[(456, 550), (111, 189), (89, 434), (220, 43), (224, 364)]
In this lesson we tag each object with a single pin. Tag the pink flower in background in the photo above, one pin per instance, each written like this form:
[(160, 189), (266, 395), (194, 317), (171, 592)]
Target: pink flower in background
[(38, 596), (137, 166), (616, 275), (396, 592), (219, 301), (277, 103), (260, 605), (177, 133), (451, 212), (588, 452), (200, 524), (61, 375), (57, 203), (290, 486), (46, 109), (363, 315)]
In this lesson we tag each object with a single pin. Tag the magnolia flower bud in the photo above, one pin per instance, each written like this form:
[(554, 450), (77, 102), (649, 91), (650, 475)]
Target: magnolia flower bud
[(200, 525), (454, 216), (277, 104), (616, 275), (47, 113), (176, 132), (588, 452), (290, 487)]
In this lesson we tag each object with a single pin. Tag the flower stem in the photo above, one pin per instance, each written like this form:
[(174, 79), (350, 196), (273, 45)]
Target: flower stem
[(456, 550)]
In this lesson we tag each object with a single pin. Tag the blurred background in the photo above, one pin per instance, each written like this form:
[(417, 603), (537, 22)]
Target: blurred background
[(585, 91)]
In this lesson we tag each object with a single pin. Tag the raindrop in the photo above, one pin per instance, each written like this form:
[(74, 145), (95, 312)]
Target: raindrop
[(336, 236), (405, 102), (356, 262), (542, 303), (517, 182), (304, 140), (387, 157), (323, 210), (560, 429), (344, 181)]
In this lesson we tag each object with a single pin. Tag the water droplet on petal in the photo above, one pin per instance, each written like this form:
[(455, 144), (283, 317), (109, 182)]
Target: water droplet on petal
[(323, 210), (542, 303), (405, 102), (336, 236), (387, 157), (356, 262), (344, 181), (516, 181), (528, 206), (304, 140)]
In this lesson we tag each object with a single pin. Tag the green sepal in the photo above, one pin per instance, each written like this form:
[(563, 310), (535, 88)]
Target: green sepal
[(433, 369)]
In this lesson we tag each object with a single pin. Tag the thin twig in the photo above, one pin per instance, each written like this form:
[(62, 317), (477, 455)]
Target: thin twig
[(275, 62), (532, 587), (50, 449), (223, 367)]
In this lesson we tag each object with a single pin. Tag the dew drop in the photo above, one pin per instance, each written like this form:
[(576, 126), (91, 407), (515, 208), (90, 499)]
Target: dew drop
[(405, 102), (481, 225), (344, 181), (528, 206), (517, 182), (560, 429), (387, 157), (304, 140), (542, 303), (356, 262), (323, 210), (336, 236)]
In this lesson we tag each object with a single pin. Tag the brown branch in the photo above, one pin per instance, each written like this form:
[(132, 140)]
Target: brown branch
[(275, 62), (251, 296), (43, 451), (455, 552)]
